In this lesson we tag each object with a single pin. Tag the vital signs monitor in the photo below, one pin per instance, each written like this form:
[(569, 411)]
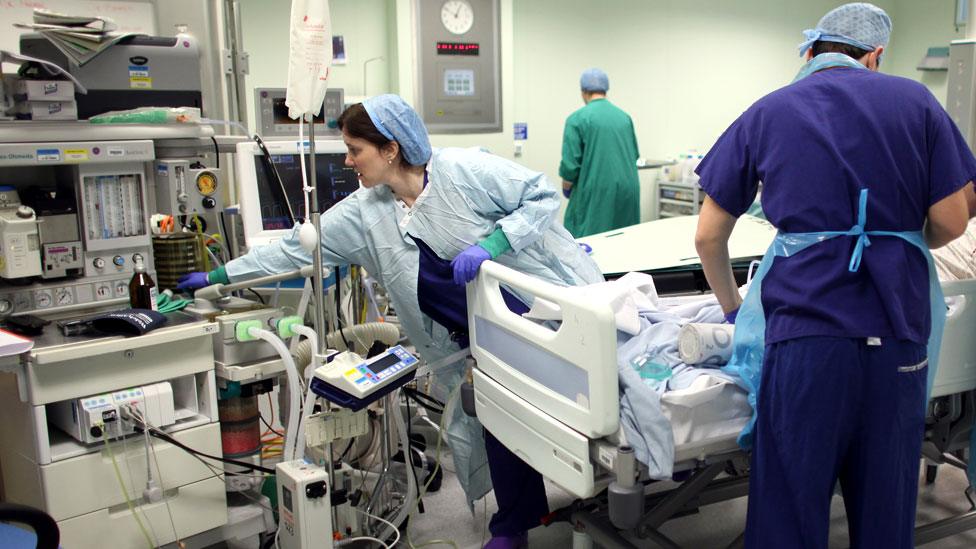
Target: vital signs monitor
[(264, 208)]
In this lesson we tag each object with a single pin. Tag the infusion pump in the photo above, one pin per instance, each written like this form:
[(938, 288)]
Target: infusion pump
[(353, 382)]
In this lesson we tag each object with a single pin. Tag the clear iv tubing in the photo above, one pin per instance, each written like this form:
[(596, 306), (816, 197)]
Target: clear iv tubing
[(294, 388)]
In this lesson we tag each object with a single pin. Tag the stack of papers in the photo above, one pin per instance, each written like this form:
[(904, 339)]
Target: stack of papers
[(81, 38)]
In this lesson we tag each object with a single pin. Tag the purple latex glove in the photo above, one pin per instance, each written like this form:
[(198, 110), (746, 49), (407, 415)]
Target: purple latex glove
[(567, 192), (730, 316), (467, 262), (192, 281)]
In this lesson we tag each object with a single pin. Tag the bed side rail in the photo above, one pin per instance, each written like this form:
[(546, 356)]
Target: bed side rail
[(957, 359), (569, 373)]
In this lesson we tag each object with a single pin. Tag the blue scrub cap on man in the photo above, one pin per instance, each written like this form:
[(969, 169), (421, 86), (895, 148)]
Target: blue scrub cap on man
[(594, 80), (862, 25), (398, 122)]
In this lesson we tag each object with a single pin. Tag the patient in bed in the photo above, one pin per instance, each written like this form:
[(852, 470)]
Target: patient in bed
[(957, 260)]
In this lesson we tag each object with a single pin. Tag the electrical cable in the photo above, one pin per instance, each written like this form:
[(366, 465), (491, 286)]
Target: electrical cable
[(256, 294), (383, 520), (194, 453), (268, 425), (342, 456), (274, 171), (424, 400), (125, 494), (249, 466), (216, 152)]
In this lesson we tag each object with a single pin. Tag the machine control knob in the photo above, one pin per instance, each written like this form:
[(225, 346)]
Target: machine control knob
[(118, 260), (96, 431), (6, 306), (209, 203), (25, 212), (99, 263)]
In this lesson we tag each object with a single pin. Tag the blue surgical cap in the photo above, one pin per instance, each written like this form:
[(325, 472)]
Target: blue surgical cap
[(862, 25), (398, 122), (594, 80)]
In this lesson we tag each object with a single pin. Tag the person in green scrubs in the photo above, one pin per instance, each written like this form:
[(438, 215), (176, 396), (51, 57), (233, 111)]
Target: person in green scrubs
[(599, 163)]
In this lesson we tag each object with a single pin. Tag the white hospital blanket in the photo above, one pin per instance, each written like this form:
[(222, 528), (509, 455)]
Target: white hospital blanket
[(650, 428)]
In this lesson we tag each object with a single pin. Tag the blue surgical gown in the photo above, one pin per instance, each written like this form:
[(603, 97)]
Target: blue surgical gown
[(470, 194)]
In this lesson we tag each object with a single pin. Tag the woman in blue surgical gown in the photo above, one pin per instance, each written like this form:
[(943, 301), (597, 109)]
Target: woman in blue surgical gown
[(422, 223)]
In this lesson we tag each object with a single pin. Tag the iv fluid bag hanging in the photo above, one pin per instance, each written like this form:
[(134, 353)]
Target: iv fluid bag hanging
[(310, 55)]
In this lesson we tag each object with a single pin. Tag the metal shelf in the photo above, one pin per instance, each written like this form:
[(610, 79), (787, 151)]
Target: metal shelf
[(40, 131)]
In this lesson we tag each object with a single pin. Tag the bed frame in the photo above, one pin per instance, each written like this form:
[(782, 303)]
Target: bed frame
[(551, 396)]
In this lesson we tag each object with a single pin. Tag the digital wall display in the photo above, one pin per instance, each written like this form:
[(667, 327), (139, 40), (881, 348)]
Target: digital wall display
[(458, 48)]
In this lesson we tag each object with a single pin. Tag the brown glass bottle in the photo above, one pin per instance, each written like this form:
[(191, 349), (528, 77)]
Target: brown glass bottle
[(142, 288)]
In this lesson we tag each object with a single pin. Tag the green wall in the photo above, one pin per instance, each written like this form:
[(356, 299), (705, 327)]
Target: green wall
[(683, 69), (364, 25)]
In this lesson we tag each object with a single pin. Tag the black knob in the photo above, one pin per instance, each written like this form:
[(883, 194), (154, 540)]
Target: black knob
[(209, 203), (96, 431)]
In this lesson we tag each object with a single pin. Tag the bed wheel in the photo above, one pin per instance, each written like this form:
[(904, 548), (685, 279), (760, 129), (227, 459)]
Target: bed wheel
[(930, 473)]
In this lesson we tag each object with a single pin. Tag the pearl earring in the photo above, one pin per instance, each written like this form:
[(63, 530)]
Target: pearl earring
[(389, 161)]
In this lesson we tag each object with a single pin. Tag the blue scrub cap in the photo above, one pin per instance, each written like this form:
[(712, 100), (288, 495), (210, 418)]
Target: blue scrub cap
[(397, 121), (594, 80), (862, 25)]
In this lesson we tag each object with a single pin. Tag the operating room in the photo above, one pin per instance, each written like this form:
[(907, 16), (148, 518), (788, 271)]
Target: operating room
[(257, 256)]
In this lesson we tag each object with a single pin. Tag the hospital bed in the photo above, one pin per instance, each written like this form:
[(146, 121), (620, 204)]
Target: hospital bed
[(551, 396)]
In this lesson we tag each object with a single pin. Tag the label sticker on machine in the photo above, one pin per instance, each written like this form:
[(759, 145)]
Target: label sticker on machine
[(48, 155), (139, 77), (76, 155), (115, 151)]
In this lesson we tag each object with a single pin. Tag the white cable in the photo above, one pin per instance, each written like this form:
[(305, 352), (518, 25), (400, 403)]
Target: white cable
[(381, 519), (294, 388), (366, 538)]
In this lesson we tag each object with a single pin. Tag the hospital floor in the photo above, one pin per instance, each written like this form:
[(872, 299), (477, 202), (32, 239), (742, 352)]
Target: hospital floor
[(447, 518)]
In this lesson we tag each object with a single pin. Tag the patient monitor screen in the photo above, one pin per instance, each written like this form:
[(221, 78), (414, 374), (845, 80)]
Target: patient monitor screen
[(334, 180)]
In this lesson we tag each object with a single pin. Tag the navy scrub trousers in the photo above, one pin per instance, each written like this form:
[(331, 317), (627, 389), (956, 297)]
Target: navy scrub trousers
[(837, 408), (519, 489)]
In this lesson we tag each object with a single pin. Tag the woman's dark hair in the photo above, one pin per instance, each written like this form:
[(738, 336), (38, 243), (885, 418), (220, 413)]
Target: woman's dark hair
[(356, 122), (837, 47)]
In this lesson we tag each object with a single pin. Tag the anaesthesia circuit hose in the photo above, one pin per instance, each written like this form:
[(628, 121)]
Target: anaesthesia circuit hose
[(313, 340), (294, 388)]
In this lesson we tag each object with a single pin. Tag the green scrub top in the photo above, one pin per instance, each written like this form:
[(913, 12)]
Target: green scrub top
[(600, 159)]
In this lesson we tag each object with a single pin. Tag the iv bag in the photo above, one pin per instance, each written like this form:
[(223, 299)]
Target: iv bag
[(309, 58)]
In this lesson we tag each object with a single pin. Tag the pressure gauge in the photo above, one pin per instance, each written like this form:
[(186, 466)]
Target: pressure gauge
[(457, 16), (206, 183)]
